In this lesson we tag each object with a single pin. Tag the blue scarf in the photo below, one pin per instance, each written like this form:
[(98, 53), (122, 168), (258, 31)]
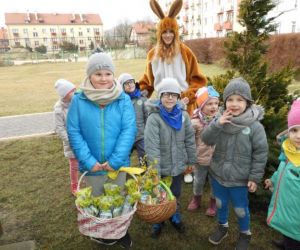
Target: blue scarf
[(135, 94), (173, 118)]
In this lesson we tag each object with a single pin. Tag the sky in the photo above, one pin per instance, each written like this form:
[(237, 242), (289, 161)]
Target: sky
[(112, 12)]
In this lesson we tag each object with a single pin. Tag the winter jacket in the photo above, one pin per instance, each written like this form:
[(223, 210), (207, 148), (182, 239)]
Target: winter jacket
[(284, 208), (60, 116), (204, 152), (241, 150), (172, 149), (101, 134), (141, 116)]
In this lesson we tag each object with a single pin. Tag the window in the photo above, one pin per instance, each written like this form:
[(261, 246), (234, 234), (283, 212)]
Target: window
[(293, 27), (44, 31), (36, 43), (81, 41), (52, 30), (63, 30), (15, 31), (45, 40), (35, 34), (25, 31), (72, 30), (80, 33), (88, 30)]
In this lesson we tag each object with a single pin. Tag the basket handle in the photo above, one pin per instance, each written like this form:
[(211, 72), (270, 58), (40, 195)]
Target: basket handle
[(172, 197), (84, 173)]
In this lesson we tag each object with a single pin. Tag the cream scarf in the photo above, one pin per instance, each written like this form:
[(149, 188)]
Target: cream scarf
[(100, 96)]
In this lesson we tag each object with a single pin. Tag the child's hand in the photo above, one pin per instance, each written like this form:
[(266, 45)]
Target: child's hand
[(189, 169), (268, 184), (97, 167), (252, 186), (226, 117), (185, 100), (107, 167)]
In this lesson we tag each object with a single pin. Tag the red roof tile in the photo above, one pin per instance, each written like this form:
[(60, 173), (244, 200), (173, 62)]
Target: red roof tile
[(52, 19), (142, 27)]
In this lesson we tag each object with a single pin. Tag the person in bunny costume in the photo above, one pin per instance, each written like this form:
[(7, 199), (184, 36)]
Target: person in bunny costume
[(171, 58)]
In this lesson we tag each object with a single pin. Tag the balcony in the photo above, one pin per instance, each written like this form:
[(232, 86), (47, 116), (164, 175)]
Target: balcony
[(227, 25), (185, 19), (16, 34), (53, 33), (220, 9), (186, 5), (217, 27), (97, 33), (63, 33)]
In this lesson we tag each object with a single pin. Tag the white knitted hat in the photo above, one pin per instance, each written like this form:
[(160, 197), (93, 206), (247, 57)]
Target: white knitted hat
[(63, 87), (124, 78), (168, 85)]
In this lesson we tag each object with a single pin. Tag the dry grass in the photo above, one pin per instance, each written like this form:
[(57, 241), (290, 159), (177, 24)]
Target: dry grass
[(36, 204)]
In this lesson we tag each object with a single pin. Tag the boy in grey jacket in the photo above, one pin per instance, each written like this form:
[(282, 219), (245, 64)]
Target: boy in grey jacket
[(65, 90), (170, 140), (239, 158), (131, 88)]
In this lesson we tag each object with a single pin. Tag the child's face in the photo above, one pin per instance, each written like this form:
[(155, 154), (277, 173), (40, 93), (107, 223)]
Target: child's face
[(129, 86), (69, 96), (236, 104), (294, 135), (169, 100), (102, 79), (211, 107)]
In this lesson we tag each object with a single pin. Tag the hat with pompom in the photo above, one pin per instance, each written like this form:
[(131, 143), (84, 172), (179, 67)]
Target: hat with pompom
[(294, 115), (204, 94)]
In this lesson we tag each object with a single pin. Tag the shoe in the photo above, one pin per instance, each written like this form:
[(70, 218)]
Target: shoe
[(243, 241), (220, 234), (188, 178), (212, 210), (106, 242), (180, 228), (194, 203), (125, 241), (278, 243), (156, 230)]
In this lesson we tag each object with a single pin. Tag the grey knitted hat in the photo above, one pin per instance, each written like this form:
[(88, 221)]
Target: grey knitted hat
[(168, 85), (99, 61), (238, 86)]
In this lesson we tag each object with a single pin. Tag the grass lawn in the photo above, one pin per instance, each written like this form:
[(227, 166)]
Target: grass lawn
[(36, 204), (29, 88)]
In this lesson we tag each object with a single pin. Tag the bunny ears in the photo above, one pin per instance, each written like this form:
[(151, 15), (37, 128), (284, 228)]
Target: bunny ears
[(174, 9)]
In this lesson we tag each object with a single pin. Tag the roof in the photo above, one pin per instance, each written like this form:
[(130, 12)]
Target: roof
[(52, 18), (142, 27)]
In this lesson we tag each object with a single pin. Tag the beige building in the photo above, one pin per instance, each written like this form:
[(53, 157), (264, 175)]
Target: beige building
[(36, 29), (141, 33)]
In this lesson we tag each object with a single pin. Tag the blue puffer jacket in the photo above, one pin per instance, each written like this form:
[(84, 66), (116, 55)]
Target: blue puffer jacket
[(101, 134)]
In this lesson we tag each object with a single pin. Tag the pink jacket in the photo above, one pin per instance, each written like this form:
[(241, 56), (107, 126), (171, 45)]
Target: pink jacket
[(204, 152)]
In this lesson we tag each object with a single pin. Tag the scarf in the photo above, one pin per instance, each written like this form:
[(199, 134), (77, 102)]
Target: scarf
[(244, 120), (173, 118), (135, 94), (100, 96), (291, 152), (204, 119)]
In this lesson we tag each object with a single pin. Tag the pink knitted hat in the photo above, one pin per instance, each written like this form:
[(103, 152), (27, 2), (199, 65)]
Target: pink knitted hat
[(294, 115)]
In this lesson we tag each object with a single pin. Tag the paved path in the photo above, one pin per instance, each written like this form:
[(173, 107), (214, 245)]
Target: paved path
[(20, 126)]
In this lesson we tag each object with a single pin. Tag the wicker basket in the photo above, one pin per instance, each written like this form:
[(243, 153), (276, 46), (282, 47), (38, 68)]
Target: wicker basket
[(114, 228), (156, 213)]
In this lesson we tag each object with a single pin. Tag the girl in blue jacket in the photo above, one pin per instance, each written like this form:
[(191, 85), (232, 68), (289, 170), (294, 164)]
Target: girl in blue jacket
[(101, 128)]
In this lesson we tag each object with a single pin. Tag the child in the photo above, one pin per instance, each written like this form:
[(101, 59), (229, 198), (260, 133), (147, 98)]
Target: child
[(207, 99), (170, 140), (101, 128), (284, 208), (132, 89), (239, 158), (65, 90)]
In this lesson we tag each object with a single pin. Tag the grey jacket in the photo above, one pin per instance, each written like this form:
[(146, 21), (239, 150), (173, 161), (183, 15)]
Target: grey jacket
[(60, 115), (172, 149), (141, 116), (241, 150)]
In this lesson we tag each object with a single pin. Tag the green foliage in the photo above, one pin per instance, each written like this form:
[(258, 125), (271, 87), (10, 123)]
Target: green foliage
[(245, 51), (67, 46), (41, 49)]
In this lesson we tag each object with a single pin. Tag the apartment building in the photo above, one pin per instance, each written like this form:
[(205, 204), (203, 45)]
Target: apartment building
[(36, 29), (217, 18)]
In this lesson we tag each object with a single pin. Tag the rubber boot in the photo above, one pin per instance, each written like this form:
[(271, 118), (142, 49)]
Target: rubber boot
[(194, 203), (212, 210)]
